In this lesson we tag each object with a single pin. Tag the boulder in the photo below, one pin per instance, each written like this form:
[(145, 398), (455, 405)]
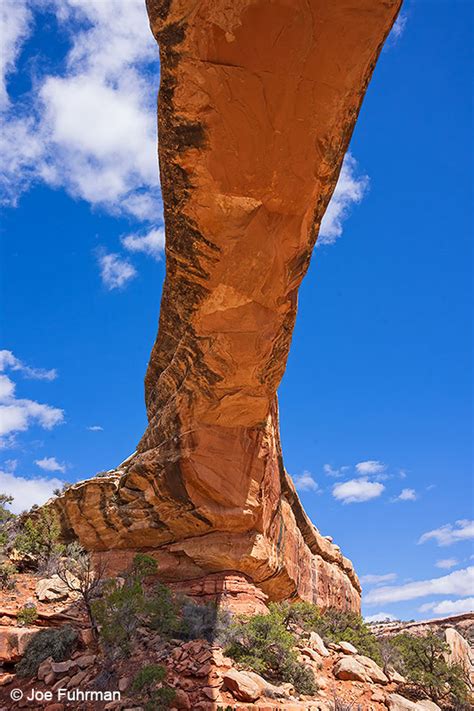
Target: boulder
[(266, 687), (428, 705), (51, 589), (13, 642), (6, 679), (460, 651), (395, 702), (241, 685), (359, 668), (347, 648), (316, 642)]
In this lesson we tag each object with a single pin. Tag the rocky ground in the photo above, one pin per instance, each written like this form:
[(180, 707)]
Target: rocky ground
[(203, 677)]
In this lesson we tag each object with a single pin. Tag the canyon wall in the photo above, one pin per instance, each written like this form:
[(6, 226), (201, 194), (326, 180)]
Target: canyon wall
[(257, 103)]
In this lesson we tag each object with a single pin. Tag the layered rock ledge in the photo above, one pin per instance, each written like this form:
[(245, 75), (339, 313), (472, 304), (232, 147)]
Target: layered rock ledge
[(257, 103)]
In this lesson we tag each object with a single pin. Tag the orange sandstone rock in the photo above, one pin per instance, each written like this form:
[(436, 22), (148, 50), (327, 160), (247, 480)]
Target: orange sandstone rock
[(258, 100)]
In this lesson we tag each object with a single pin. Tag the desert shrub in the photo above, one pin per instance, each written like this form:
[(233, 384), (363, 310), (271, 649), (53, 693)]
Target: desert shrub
[(341, 705), (83, 577), (38, 539), (162, 611), (389, 654), (425, 666), (265, 645), (6, 518), (27, 615), (344, 626), (7, 576), (302, 615), (117, 614), (124, 606), (146, 682), (56, 643), (199, 621)]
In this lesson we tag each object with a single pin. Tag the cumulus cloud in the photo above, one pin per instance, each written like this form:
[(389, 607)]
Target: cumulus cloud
[(152, 243), (95, 428), (371, 466), (10, 361), (115, 271), (380, 617), (449, 607), (447, 563), (18, 414), (333, 471), (305, 482), (462, 530), (50, 464), (27, 492), (406, 495), (15, 26), (356, 491), (350, 190), (90, 129), (371, 579), (460, 583)]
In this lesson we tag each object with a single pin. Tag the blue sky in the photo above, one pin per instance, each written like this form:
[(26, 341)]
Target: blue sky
[(376, 408)]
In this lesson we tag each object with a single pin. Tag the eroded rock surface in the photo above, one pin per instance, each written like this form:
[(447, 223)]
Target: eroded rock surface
[(257, 103)]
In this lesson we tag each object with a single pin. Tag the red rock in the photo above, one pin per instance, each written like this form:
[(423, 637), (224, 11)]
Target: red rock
[(13, 642), (257, 104), (54, 707), (181, 700)]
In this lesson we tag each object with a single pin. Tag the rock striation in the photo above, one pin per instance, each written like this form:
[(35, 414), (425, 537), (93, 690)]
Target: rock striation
[(257, 103)]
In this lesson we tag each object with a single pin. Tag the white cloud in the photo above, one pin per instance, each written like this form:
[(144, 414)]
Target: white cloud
[(449, 607), (50, 464), (91, 129), (447, 563), (462, 530), (399, 26), (305, 482), (377, 579), (332, 471), (350, 190), (406, 495), (371, 466), (95, 428), (15, 26), (8, 360), (16, 415), (380, 617), (115, 271), (460, 583), (356, 491), (152, 243), (27, 492)]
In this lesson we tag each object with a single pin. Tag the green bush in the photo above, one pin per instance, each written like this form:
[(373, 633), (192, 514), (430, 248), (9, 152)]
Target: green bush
[(161, 611), (38, 539), (7, 576), (146, 682), (342, 626), (27, 615), (5, 517), (424, 665), (56, 643), (263, 643)]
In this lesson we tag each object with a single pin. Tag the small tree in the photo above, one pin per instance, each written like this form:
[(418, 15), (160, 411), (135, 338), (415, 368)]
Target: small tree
[(82, 577), (146, 682), (425, 666), (7, 576), (122, 606), (263, 643), (5, 516), (38, 539)]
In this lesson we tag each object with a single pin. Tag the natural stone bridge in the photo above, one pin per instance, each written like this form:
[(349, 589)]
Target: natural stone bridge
[(257, 104)]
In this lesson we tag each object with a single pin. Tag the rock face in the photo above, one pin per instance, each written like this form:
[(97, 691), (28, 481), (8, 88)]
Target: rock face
[(258, 100)]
